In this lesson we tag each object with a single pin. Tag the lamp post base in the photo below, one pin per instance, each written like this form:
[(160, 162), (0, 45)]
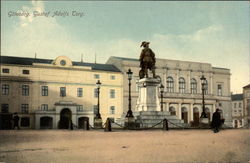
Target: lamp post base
[(130, 123), (98, 123), (204, 123)]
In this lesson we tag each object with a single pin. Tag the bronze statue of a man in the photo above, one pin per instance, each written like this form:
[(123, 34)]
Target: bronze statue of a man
[(147, 60)]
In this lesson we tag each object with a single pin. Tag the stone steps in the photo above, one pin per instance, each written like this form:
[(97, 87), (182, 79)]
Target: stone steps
[(151, 118)]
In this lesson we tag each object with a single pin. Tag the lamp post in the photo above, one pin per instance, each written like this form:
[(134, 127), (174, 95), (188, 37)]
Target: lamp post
[(98, 119), (162, 91), (129, 113), (203, 83), (98, 85)]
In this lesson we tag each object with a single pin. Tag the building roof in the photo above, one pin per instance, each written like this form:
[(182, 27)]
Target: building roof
[(247, 86), (237, 97), (30, 61), (128, 59)]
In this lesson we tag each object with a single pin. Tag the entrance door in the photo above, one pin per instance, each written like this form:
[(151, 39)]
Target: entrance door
[(65, 119), (184, 114), (236, 123), (83, 123), (196, 116)]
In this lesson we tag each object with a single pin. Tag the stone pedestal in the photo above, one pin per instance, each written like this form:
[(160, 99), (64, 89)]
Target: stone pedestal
[(148, 99), (130, 123), (204, 123), (98, 123), (204, 120)]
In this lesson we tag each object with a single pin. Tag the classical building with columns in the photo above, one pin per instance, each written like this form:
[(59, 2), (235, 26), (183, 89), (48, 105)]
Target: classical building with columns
[(182, 92), (52, 93)]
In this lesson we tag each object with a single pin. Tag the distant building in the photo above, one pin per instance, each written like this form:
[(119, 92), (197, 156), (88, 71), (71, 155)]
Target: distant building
[(49, 93), (182, 95), (246, 104), (237, 110)]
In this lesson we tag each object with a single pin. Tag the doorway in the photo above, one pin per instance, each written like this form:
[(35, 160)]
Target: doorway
[(235, 124), (65, 119), (196, 116), (83, 123), (184, 114)]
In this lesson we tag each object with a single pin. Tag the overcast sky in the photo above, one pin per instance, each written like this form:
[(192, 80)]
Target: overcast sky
[(210, 32)]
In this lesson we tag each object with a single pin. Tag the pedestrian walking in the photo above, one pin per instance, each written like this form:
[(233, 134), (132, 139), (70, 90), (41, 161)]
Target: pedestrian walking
[(216, 121), (16, 121)]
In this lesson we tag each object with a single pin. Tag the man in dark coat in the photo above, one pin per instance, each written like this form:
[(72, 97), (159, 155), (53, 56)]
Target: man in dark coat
[(216, 121), (147, 60), (16, 121)]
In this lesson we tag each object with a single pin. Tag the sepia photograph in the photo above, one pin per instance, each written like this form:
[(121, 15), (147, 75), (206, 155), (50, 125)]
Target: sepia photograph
[(125, 81)]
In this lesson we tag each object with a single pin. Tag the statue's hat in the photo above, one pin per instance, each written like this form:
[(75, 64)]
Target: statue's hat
[(144, 43)]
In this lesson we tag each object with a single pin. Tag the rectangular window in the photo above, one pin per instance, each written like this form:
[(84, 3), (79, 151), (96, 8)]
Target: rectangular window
[(25, 108), (235, 105), (219, 90), (79, 108), (96, 76), (79, 92), (239, 104), (112, 110), (26, 71), (112, 77), (45, 107), (4, 108), (112, 93), (45, 90), (220, 104), (6, 70), (25, 90), (62, 91), (96, 93), (95, 108), (5, 89)]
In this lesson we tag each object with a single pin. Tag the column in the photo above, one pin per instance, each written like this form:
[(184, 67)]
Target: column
[(177, 81), (191, 112), (188, 82), (213, 109), (179, 110), (167, 106), (164, 80), (211, 83)]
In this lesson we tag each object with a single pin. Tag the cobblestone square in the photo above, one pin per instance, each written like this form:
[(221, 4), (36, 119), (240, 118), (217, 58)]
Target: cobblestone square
[(59, 146)]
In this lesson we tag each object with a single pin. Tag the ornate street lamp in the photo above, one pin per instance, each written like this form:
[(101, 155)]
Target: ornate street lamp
[(98, 85), (203, 84), (162, 91), (129, 113)]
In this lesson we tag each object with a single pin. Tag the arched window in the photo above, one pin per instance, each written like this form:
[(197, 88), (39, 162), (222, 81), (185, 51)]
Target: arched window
[(182, 85), (172, 110), (193, 86), (170, 84)]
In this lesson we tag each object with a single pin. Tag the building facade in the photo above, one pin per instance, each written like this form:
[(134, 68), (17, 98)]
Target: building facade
[(182, 87), (53, 93), (237, 110), (246, 105)]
